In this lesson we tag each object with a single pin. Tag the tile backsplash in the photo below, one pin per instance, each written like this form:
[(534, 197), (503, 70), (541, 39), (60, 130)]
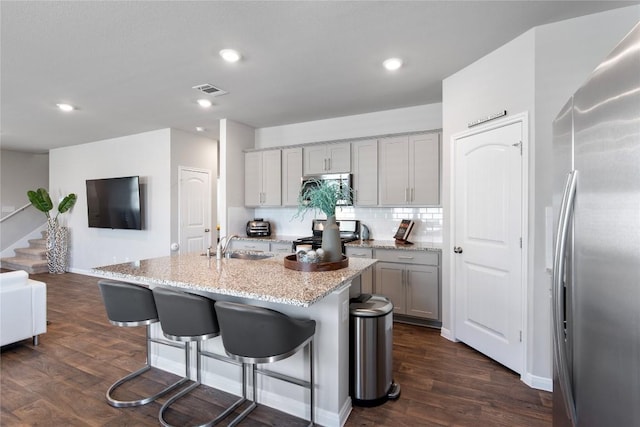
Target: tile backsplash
[(382, 222)]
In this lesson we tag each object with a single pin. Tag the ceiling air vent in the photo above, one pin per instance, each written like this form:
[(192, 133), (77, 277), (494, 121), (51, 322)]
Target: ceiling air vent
[(210, 89)]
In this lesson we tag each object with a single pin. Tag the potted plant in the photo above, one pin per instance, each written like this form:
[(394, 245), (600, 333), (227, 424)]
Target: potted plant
[(324, 195), (57, 236)]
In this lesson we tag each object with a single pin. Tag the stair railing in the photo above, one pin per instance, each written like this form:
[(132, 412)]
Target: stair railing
[(16, 212), (17, 227)]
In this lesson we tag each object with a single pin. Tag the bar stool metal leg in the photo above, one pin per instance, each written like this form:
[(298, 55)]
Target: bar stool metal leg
[(311, 383), (186, 317), (254, 403), (197, 383), (131, 403)]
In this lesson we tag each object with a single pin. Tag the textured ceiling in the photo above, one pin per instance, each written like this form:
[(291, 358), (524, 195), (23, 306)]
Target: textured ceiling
[(130, 66)]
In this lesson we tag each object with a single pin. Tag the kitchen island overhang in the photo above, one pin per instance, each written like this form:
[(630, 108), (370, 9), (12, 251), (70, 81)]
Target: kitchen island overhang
[(321, 296)]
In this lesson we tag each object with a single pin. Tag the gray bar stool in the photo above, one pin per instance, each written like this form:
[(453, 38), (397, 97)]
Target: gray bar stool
[(254, 335), (131, 305), (186, 317)]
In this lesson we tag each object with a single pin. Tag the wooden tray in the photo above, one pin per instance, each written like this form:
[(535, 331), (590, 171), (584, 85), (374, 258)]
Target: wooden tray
[(291, 262)]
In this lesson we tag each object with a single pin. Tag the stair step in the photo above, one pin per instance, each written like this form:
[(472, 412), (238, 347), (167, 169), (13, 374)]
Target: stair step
[(38, 243), (31, 253), (30, 265)]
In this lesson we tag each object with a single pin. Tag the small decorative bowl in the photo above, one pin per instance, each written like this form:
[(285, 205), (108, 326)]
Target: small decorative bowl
[(308, 257)]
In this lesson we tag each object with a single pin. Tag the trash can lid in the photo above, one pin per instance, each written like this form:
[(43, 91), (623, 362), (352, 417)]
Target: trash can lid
[(375, 306)]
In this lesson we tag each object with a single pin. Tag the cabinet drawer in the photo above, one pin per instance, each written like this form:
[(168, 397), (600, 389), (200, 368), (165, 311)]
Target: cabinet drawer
[(359, 252), (249, 245), (282, 248), (408, 257)]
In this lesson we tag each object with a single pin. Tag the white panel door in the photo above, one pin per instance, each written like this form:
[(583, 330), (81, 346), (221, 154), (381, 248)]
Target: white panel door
[(488, 232), (195, 210)]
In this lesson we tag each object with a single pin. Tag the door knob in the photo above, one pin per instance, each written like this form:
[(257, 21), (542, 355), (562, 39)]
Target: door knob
[(457, 249)]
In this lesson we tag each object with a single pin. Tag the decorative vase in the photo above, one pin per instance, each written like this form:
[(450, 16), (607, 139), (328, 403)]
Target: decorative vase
[(57, 246), (331, 243)]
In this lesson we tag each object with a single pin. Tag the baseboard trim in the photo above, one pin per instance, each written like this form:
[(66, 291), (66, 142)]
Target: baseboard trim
[(537, 382), (446, 333)]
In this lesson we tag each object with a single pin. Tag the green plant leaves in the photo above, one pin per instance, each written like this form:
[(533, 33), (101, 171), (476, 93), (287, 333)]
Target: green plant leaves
[(40, 200), (67, 203), (321, 195)]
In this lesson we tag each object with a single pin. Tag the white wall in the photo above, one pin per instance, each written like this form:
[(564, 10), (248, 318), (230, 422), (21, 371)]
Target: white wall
[(147, 155), (400, 120), (502, 80), (234, 138), (535, 72), (195, 151), (20, 172), (566, 53)]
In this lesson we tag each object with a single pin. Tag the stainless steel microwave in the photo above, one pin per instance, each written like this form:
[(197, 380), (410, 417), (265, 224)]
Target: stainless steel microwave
[(342, 180)]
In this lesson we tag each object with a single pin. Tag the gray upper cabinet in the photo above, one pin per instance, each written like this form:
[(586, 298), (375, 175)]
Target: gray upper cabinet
[(364, 166), (291, 175), (262, 182), (409, 170), (327, 158)]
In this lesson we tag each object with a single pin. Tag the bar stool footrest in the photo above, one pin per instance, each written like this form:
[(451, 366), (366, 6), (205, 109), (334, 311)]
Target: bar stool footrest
[(131, 403)]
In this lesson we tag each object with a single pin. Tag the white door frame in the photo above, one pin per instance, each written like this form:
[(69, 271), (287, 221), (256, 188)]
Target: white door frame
[(181, 169), (527, 285)]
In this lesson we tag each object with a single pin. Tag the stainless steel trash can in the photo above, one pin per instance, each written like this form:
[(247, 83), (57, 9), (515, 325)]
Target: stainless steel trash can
[(371, 346)]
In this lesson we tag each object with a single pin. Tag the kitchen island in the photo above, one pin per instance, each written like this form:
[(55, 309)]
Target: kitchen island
[(321, 296)]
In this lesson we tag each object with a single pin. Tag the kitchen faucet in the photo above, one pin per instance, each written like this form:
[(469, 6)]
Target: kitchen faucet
[(222, 249)]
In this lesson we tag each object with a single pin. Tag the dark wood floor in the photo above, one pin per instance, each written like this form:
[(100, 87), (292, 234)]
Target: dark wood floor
[(62, 381)]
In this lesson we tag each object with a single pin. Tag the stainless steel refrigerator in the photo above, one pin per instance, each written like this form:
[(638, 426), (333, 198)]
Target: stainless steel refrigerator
[(596, 278)]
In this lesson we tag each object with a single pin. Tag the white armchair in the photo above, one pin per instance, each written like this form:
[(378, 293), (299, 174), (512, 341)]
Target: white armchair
[(23, 307)]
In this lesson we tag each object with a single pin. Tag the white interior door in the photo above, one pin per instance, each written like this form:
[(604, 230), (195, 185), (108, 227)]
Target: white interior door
[(195, 210), (488, 243)]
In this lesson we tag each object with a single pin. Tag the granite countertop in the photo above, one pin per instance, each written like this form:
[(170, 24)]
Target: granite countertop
[(391, 244), (264, 280)]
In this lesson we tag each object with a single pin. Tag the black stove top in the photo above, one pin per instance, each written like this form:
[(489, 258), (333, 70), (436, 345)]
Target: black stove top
[(349, 231), (318, 239)]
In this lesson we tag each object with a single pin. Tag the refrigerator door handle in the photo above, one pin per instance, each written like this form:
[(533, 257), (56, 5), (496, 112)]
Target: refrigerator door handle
[(560, 352)]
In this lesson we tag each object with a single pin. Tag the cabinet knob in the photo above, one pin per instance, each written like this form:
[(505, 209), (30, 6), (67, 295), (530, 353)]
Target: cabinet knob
[(457, 249)]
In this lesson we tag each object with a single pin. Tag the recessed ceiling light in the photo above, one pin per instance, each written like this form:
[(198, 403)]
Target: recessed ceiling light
[(199, 128), (230, 55), (204, 103), (392, 64), (66, 107)]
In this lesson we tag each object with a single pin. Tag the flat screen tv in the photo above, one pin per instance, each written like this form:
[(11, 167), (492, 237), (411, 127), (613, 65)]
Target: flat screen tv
[(114, 203)]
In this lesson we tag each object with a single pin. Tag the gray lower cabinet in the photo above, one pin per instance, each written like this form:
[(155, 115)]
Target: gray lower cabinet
[(261, 246), (249, 245), (412, 286), (366, 278), (282, 248), (355, 252)]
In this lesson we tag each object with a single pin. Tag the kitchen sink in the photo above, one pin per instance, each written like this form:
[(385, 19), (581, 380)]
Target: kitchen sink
[(242, 255)]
